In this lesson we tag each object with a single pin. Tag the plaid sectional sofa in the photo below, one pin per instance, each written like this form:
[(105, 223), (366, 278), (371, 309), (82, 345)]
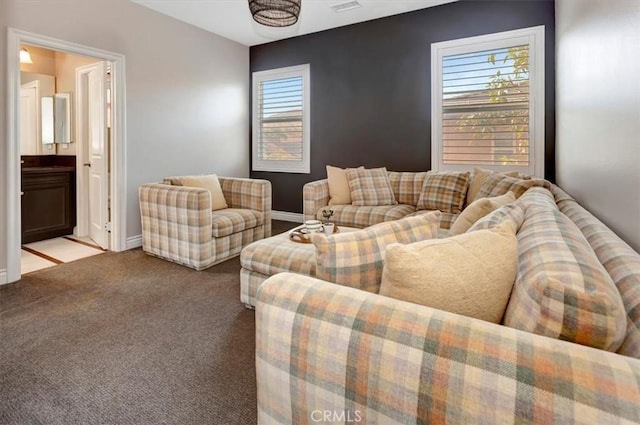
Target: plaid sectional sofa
[(327, 353), (178, 224), (406, 186), (411, 199)]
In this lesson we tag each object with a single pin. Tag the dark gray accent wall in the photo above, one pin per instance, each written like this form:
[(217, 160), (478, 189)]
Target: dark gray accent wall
[(371, 86)]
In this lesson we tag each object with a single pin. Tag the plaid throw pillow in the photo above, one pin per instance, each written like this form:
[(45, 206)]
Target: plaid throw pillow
[(370, 187), (407, 186), (444, 191), (356, 259), (498, 184)]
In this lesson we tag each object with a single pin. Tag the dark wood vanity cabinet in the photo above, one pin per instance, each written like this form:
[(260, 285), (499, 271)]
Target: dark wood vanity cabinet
[(48, 202)]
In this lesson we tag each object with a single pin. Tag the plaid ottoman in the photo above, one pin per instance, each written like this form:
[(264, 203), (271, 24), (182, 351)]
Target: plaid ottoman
[(266, 257)]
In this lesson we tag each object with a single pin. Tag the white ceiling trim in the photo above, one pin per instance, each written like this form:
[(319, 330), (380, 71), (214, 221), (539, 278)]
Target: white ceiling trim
[(231, 18)]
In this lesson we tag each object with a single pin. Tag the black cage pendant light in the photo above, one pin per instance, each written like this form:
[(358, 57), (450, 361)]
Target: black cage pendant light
[(275, 13)]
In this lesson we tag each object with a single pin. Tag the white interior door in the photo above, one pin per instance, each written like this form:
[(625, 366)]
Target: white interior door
[(98, 154), (29, 119)]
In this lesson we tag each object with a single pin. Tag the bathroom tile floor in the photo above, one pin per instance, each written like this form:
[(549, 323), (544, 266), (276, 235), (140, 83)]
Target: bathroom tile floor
[(42, 254)]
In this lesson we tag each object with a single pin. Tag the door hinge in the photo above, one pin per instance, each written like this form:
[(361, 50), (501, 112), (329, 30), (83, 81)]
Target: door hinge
[(107, 226)]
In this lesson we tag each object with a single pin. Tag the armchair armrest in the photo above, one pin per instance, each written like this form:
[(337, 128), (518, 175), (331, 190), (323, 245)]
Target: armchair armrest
[(176, 222), (315, 196), (322, 347), (254, 194)]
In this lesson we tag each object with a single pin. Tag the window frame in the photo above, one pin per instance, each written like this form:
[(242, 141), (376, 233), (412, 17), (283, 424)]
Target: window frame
[(534, 37), (303, 166)]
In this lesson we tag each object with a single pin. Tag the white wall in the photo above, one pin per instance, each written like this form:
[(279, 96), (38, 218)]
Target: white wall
[(598, 109), (187, 89)]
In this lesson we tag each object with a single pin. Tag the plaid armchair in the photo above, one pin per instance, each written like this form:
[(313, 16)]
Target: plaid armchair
[(178, 224)]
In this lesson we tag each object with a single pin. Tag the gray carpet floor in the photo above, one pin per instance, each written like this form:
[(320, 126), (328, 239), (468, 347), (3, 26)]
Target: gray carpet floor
[(125, 338)]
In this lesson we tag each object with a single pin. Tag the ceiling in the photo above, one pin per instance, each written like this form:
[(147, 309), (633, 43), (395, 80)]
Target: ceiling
[(231, 18)]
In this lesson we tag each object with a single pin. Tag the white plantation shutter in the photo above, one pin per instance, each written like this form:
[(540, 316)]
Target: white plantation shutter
[(280, 117), (281, 120), (485, 107), (488, 102)]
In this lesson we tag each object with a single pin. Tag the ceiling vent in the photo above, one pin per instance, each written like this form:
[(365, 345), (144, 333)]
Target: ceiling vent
[(343, 7)]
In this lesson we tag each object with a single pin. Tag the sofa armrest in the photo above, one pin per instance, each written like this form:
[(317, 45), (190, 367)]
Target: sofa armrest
[(253, 194), (175, 220), (324, 348), (315, 196)]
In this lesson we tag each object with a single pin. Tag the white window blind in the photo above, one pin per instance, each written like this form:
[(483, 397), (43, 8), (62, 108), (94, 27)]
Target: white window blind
[(281, 120), (485, 107), (280, 115), (488, 106)]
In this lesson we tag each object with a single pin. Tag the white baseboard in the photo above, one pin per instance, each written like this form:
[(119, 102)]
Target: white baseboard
[(3, 276), (134, 242), (287, 216)]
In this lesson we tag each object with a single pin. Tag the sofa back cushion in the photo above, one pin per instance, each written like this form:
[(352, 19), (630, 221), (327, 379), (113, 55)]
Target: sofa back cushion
[(497, 184), (444, 191), (407, 186), (562, 291), (515, 211), (356, 258), (620, 260), (370, 187)]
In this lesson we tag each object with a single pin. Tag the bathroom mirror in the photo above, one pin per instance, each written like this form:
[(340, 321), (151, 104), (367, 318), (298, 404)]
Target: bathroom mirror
[(55, 115), (46, 116), (62, 117)]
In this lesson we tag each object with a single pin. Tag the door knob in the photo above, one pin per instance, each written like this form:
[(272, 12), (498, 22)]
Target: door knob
[(87, 164)]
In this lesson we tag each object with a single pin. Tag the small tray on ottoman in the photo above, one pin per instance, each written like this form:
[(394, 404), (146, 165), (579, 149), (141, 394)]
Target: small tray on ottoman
[(300, 235)]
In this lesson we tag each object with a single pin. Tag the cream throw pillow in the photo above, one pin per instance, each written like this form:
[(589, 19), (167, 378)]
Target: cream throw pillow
[(478, 209), (339, 191), (356, 258), (212, 184), (470, 274), (478, 178)]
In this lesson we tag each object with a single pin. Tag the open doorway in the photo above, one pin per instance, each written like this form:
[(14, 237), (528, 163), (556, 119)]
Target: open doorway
[(111, 140), (64, 104)]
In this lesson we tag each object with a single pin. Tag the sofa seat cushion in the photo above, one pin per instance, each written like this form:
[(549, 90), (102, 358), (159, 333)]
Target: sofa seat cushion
[(233, 220), (355, 216), (562, 290), (446, 219)]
